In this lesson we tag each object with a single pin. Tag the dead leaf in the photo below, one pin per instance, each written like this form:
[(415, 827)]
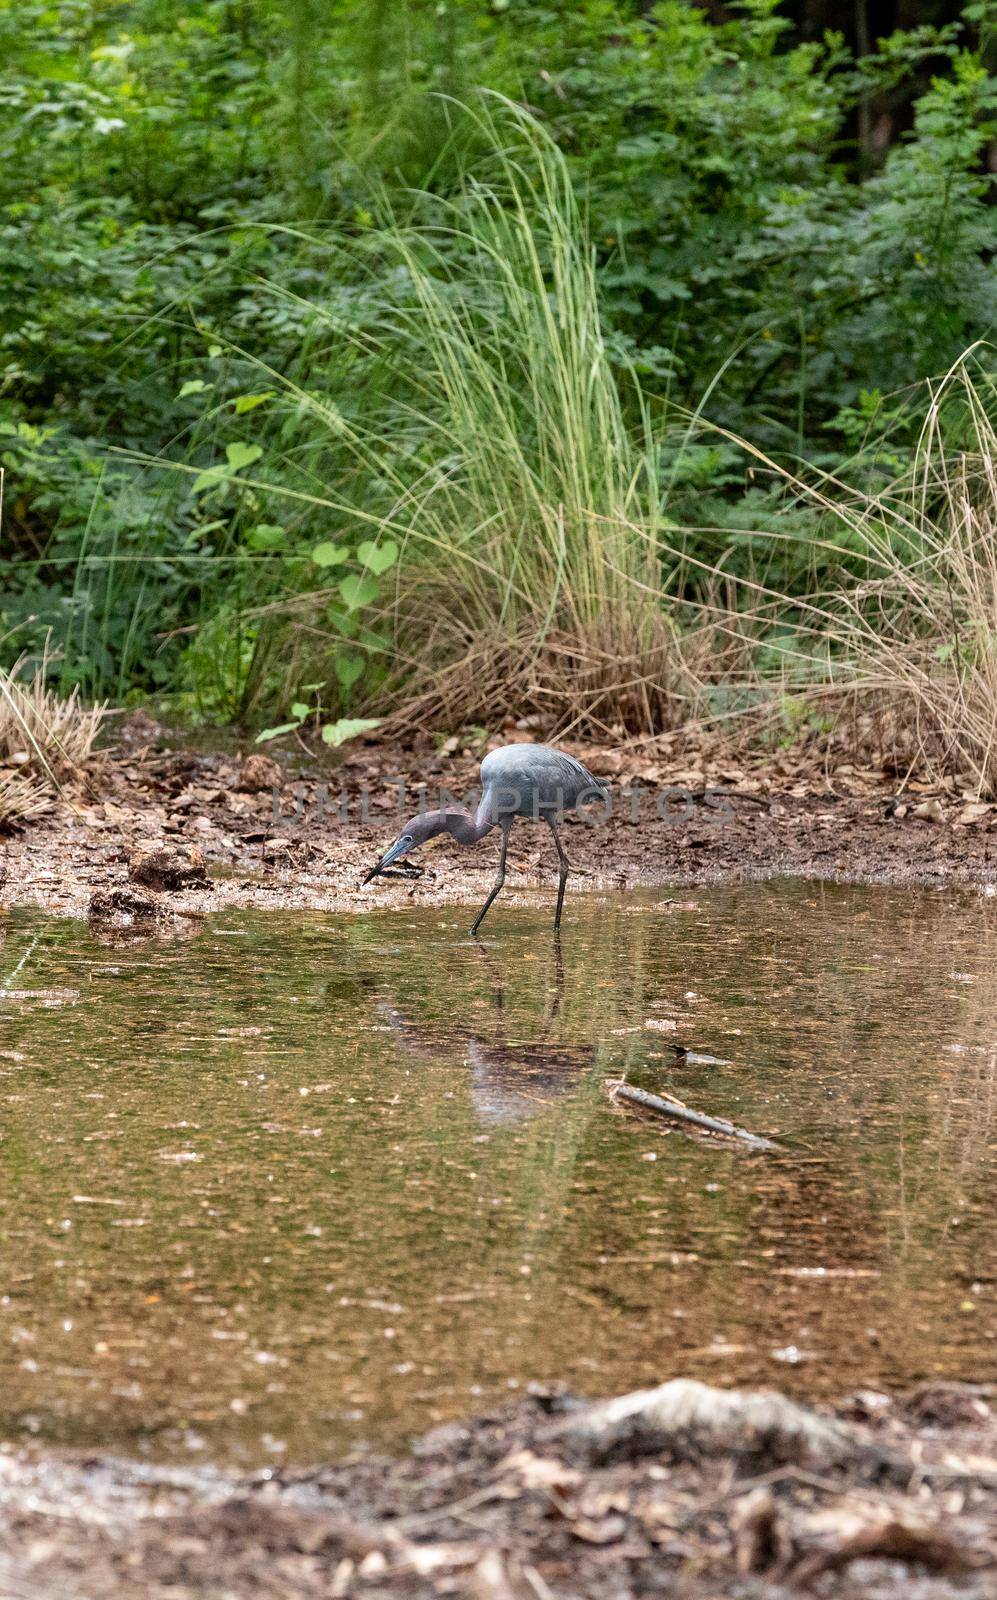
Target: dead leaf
[(974, 812), (856, 1535), (599, 1530), (541, 1472), (490, 1580), (757, 1535)]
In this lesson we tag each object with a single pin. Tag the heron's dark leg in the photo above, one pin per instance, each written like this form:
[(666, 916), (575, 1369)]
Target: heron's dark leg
[(562, 876), (479, 919)]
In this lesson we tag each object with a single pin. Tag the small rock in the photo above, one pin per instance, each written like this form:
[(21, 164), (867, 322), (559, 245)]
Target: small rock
[(259, 773), (120, 913), (928, 811), (168, 867)]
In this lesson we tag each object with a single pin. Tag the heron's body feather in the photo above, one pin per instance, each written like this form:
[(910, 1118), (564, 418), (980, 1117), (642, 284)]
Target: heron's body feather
[(532, 780)]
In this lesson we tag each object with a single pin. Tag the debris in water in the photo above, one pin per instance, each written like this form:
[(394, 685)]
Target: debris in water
[(42, 997), (698, 1058), (617, 1089)]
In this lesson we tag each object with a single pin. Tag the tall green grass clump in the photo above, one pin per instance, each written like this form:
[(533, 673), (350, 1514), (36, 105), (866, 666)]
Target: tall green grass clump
[(522, 583), (479, 472)]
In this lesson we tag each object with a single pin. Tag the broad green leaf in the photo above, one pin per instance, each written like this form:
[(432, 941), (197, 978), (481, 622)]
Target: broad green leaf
[(300, 710), (349, 669), (193, 386), (328, 554), (344, 622), (378, 557), (249, 402), (358, 590), (275, 733), (241, 455), (266, 536), (336, 733), (208, 480)]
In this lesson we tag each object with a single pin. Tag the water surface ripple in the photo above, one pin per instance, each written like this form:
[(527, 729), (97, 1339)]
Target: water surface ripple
[(301, 1182)]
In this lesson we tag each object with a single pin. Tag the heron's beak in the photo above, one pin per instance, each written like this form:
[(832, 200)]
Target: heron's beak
[(397, 850)]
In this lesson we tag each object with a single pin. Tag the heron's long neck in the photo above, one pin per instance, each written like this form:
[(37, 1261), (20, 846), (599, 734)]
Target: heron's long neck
[(467, 829)]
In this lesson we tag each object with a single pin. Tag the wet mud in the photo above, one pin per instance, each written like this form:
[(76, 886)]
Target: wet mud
[(299, 834)]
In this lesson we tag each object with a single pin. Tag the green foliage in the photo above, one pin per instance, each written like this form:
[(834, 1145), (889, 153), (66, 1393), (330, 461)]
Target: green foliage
[(200, 210)]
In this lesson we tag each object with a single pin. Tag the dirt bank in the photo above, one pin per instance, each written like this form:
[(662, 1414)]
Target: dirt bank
[(300, 833), (759, 1498)]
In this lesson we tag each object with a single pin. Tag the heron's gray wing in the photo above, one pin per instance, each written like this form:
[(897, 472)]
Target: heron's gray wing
[(565, 780), (539, 775)]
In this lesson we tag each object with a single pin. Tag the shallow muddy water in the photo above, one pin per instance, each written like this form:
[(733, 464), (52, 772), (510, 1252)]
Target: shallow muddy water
[(301, 1182)]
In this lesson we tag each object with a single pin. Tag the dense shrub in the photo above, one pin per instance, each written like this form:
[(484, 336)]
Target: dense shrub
[(192, 197)]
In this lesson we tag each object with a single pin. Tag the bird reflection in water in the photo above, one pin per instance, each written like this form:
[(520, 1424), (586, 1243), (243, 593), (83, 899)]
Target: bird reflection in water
[(511, 1079)]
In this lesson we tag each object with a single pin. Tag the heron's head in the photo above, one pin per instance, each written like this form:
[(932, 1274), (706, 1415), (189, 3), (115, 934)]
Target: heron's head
[(416, 832)]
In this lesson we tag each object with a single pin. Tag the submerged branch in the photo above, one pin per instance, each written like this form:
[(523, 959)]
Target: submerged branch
[(617, 1089)]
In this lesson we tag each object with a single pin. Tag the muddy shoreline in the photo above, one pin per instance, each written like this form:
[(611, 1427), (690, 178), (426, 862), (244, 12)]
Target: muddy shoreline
[(881, 1497), (300, 833)]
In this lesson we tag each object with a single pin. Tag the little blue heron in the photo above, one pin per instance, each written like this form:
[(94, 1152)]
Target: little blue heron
[(519, 780)]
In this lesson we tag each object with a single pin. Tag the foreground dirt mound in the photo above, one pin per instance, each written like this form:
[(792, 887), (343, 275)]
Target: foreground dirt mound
[(683, 1490)]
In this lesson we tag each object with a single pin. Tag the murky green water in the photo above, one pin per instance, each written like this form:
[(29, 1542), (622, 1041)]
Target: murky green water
[(299, 1182)]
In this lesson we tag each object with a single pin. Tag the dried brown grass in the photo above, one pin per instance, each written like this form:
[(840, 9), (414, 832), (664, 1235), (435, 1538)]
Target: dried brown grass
[(909, 645), (52, 730), (922, 633), (23, 797), (45, 738)]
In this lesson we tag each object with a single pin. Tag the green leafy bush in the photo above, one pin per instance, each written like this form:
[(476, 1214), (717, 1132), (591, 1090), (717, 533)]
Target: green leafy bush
[(192, 212)]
